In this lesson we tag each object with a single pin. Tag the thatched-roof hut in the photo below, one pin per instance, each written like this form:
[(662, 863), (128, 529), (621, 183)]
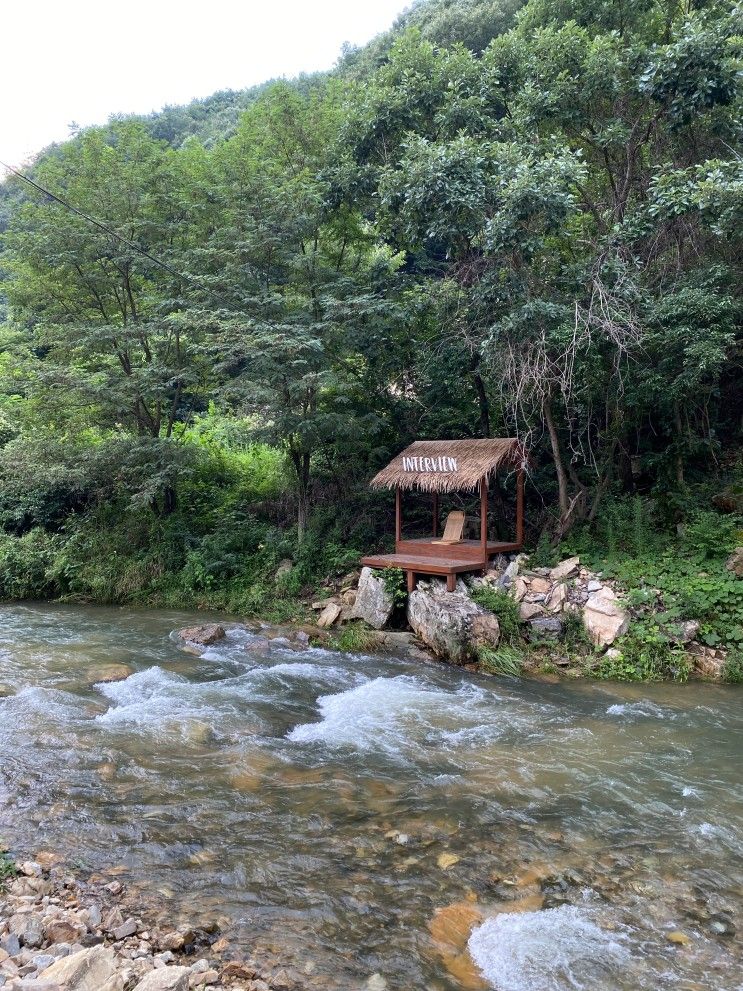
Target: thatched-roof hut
[(441, 466), (449, 465)]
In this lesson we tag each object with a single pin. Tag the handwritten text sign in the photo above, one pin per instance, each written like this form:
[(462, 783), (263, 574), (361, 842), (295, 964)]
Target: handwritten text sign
[(442, 463)]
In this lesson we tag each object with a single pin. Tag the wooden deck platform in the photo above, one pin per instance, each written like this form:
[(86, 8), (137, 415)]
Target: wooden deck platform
[(428, 557)]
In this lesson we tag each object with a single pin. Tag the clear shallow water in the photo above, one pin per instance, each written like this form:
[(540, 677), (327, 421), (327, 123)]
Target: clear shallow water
[(306, 800)]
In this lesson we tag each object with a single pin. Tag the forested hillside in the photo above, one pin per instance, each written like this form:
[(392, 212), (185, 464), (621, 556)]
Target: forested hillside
[(497, 219)]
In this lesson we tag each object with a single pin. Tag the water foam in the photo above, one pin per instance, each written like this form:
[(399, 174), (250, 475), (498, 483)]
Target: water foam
[(645, 709), (156, 700), (390, 714), (557, 949)]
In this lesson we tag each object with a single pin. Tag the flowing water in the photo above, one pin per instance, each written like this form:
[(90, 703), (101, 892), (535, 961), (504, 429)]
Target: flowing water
[(316, 803)]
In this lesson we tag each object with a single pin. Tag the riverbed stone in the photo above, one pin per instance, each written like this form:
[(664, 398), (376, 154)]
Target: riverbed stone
[(28, 928), (165, 979), (205, 634), (104, 673), (373, 602), (604, 618)]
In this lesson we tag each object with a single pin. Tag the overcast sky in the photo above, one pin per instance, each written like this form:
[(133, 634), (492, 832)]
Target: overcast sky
[(82, 60)]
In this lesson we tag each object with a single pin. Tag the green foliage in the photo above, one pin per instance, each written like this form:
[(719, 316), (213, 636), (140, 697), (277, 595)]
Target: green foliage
[(8, 869), (544, 554), (645, 655), (27, 565), (355, 638), (733, 670), (504, 661), (396, 585), (574, 635), (504, 607), (687, 588), (710, 535)]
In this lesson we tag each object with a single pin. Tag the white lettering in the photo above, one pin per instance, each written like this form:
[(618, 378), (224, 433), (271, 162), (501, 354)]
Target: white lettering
[(441, 463)]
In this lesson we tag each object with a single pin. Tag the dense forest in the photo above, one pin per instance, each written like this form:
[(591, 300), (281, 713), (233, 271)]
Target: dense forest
[(497, 219)]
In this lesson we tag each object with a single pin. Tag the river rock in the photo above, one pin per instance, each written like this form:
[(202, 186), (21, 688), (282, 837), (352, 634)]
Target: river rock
[(558, 598), (539, 586), (88, 970), (165, 979), (735, 562), (545, 627), (709, 662), (565, 569), (519, 589), (604, 619), (528, 610), (450, 623), (27, 928), (207, 634), (373, 602), (329, 615), (684, 632), (509, 575), (102, 673)]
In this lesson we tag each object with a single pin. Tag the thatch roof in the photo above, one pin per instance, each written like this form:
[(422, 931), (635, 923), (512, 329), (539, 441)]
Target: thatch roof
[(449, 465)]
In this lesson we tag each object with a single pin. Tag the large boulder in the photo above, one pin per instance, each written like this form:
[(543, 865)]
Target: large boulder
[(604, 618), (373, 603), (88, 970), (203, 635), (450, 623)]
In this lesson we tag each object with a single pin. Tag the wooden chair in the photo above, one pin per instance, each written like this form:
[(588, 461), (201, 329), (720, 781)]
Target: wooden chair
[(454, 528)]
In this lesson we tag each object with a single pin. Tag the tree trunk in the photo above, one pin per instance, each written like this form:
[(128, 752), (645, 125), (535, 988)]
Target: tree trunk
[(562, 476), (679, 457), (301, 462)]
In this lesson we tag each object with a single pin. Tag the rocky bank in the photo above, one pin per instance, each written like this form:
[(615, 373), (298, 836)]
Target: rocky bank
[(58, 933), (454, 627)]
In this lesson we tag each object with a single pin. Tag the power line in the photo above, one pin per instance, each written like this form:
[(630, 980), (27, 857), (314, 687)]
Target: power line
[(108, 230)]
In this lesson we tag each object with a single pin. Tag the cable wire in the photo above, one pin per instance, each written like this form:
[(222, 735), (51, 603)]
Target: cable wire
[(108, 230)]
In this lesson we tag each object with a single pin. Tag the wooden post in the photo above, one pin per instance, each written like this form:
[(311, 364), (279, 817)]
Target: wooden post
[(484, 520), (398, 516), (411, 581), (520, 507), (435, 515)]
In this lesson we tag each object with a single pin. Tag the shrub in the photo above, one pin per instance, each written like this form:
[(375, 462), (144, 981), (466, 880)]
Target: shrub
[(7, 867), (544, 554), (504, 607), (395, 584), (645, 655), (710, 534), (733, 670), (574, 634), (27, 565)]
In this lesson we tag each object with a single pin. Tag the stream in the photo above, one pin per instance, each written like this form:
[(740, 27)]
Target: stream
[(324, 808)]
